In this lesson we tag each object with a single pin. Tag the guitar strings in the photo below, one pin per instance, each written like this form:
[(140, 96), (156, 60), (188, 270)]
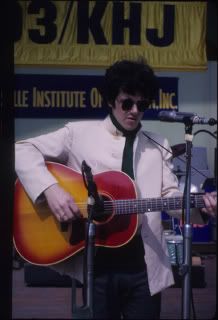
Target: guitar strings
[(130, 201), (159, 203)]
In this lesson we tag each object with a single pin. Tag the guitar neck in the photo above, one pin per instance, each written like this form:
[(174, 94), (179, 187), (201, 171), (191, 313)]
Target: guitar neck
[(139, 206)]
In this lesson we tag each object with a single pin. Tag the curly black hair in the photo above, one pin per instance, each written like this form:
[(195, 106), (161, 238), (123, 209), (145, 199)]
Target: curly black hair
[(132, 77)]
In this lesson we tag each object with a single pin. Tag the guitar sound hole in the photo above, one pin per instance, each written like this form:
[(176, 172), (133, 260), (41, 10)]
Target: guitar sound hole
[(107, 214)]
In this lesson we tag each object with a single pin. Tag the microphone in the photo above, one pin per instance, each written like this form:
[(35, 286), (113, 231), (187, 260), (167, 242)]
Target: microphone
[(185, 117), (94, 198)]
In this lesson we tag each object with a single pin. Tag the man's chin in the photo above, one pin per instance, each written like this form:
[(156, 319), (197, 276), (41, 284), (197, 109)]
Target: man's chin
[(131, 125)]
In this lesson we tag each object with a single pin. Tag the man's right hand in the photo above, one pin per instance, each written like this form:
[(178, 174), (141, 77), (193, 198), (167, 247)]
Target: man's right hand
[(62, 204)]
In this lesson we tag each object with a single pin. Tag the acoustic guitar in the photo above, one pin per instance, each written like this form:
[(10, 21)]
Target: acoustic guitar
[(40, 239)]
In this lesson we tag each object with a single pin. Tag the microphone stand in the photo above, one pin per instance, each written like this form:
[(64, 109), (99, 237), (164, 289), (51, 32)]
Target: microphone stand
[(95, 205), (185, 268)]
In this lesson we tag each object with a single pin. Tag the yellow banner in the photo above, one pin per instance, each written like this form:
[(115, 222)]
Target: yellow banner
[(169, 35)]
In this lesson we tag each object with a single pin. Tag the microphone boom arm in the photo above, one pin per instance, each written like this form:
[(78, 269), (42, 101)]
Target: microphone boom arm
[(185, 117)]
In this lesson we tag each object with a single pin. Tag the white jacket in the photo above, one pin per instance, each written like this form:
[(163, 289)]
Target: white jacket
[(101, 145)]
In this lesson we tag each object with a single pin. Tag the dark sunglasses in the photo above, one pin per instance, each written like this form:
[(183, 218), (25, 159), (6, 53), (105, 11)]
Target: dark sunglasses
[(128, 103)]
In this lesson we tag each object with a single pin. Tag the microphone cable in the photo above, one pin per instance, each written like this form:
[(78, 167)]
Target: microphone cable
[(206, 131), (172, 154)]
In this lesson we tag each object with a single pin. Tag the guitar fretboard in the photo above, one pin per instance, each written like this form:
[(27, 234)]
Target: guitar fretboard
[(140, 206)]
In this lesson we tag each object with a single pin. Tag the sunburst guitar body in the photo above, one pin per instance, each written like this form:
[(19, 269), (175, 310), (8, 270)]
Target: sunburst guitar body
[(41, 239)]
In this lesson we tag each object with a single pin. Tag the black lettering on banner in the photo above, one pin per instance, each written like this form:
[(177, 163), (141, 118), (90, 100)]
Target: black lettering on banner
[(18, 21), (133, 23), (93, 22), (66, 21), (50, 14), (168, 28)]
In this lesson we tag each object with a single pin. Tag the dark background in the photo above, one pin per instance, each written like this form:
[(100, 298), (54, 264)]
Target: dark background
[(7, 16)]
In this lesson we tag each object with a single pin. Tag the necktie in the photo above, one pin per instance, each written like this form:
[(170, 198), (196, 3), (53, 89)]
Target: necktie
[(127, 161)]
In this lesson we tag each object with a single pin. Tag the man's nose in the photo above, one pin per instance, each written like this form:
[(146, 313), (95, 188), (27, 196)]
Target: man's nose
[(134, 108)]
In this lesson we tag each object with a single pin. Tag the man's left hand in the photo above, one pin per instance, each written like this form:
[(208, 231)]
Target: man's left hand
[(210, 201)]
